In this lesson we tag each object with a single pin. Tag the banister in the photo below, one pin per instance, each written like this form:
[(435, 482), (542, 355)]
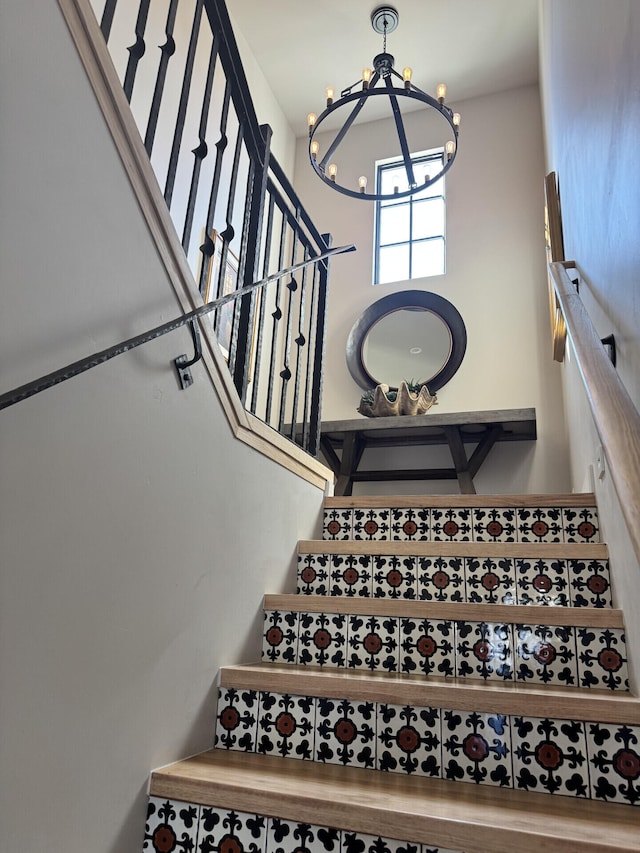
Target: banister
[(240, 193), (616, 418), (29, 389)]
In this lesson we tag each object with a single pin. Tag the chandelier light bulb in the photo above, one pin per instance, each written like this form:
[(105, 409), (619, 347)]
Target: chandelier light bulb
[(456, 120), (333, 171), (441, 92), (406, 76), (315, 147), (362, 183), (329, 95), (366, 77), (449, 148), (311, 120)]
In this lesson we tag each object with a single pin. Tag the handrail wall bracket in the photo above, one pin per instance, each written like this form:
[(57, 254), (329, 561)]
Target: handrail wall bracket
[(183, 364)]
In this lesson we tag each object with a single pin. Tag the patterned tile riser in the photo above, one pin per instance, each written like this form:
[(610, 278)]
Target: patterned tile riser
[(186, 827), (488, 580), (578, 759), (477, 524), (529, 654)]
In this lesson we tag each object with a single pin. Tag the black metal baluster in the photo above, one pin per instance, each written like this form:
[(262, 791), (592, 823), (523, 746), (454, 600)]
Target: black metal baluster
[(207, 247), (315, 424), (182, 107), (277, 316), (229, 233), (136, 50), (242, 271), (107, 18), (300, 341), (263, 305), (310, 354), (285, 373), (201, 151), (166, 52), (250, 253), (306, 307)]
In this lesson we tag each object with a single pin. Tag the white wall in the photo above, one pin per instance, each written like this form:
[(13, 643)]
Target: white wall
[(267, 108), (590, 56), (495, 277), (137, 537)]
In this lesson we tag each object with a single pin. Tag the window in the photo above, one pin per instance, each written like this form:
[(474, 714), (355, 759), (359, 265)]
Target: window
[(410, 233)]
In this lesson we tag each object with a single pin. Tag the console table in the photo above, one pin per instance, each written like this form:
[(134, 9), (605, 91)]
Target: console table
[(455, 429)]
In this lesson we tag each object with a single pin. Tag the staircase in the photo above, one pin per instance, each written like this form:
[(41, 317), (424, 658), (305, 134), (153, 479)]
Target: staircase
[(450, 676)]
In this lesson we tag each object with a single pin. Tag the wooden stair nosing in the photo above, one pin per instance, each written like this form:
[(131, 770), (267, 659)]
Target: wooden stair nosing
[(521, 614), (473, 818), (542, 701), (438, 501), (524, 550)]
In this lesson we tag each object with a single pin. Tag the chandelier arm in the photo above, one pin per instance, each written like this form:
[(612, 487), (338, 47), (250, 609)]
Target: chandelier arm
[(347, 125), (349, 89), (402, 136)]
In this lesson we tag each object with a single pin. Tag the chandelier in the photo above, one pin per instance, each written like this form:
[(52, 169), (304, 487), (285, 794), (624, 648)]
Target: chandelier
[(378, 82)]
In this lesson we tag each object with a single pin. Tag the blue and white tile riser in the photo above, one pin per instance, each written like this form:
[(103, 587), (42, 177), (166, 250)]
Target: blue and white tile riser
[(173, 825), (471, 580), (587, 760), (566, 656), (463, 524)]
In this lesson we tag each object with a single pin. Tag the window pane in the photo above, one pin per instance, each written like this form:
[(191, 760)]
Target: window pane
[(394, 224), (394, 264), (428, 258), (428, 219), (434, 189), (392, 178)]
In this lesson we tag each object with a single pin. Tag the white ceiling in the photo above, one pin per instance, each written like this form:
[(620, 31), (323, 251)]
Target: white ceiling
[(476, 47)]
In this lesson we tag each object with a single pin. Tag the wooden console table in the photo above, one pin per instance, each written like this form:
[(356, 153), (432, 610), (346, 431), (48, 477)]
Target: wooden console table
[(456, 429)]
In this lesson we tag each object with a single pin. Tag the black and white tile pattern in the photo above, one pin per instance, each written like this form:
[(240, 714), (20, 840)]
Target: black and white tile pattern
[(565, 656), (187, 827), (474, 580), (466, 524), (556, 756)]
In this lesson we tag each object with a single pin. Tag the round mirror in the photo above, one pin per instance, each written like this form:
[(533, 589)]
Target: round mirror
[(410, 343), (413, 336)]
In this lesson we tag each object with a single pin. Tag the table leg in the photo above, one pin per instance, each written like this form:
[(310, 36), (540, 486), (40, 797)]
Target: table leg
[(460, 461), (351, 454)]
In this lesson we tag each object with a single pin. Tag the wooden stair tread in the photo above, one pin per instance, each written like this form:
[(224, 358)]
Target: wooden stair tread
[(524, 550), (467, 817), (432, 691), (529, 614), (438, 501)]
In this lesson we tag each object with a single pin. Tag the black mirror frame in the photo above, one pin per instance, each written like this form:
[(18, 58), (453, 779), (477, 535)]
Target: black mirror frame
[(438, 305)]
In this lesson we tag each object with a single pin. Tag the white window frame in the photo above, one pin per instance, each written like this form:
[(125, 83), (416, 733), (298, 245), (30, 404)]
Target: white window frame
[(421, 161)]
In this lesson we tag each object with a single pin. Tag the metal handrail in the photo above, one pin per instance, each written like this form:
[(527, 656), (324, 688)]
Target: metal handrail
[(29, 389)]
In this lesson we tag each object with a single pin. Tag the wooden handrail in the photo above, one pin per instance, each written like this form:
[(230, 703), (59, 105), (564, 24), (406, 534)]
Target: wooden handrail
[(616, 418)]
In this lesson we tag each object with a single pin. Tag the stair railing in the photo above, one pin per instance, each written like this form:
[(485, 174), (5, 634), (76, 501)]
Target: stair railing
[(616, 419), (239, 218), (182, 363)]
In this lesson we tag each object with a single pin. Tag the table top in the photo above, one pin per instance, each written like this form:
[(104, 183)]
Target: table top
[(517, 424)]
